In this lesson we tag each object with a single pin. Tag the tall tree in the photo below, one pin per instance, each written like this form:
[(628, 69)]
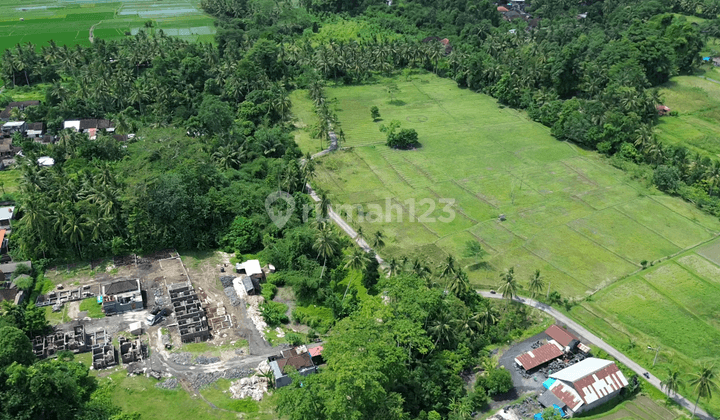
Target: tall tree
[(508, 285), (537, 283), (704, 382)]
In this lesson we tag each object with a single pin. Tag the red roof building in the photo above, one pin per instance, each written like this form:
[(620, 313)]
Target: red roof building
[(315, 351), (502, 9), (541, 355), (560, 335), (588, 384)]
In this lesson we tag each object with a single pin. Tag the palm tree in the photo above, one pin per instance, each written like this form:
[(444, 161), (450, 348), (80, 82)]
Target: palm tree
[(672, 382), (448, 268), (357, 260), (378, 239), (324, 206), (325, 244), (420, 269), (703, 383), (442, 328), (536, 283), (360, 236), (470, 324), (393, 268), (458, 284), (487, 316), (508, 285)]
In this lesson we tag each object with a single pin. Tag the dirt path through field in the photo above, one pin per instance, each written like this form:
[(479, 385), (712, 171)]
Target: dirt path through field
[(92, 30)]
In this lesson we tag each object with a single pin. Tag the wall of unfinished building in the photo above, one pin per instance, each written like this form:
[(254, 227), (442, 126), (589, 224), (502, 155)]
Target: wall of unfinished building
[(74, 341), (191, 318)]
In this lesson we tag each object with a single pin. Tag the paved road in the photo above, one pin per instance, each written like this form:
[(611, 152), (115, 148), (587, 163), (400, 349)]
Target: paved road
[(344, 225), (597, 341)]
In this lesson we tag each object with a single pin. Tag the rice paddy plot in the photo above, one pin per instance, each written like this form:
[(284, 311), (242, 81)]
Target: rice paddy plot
[(697, 101), (672, 305), (69, 22), (582, 222)]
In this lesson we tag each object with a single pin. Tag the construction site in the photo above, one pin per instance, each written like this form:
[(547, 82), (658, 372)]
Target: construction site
[(190, 315)]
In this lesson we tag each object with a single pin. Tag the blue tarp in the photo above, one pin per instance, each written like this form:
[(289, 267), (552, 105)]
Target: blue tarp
[(706, 58), (549, 382), (99, 299), (539, 416)]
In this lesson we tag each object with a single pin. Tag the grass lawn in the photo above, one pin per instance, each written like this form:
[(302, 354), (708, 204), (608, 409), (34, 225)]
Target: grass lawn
[(639, 408), (672, 305), (59, 317), (69, 22), (583, 223), (217, 393), (697, 100), (93, 308)]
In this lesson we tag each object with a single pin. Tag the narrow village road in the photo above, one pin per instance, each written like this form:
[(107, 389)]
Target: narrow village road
[(597, 341)]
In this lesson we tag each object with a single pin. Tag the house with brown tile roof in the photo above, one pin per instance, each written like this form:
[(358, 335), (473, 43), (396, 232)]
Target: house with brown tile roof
[(299, 358)]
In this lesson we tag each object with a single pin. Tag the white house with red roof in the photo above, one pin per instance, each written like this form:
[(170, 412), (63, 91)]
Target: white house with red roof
[(586, 385)]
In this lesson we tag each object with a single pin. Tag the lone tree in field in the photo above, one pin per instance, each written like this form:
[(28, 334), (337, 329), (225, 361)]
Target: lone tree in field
[(392, 89), (406, 138), (672, 382), (375, 113), (704, 381), (474, 250)]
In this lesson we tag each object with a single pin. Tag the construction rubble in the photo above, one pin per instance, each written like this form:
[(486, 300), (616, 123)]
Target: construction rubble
[(254, 387)]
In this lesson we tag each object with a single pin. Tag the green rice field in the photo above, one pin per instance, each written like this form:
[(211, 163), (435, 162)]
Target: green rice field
[(68, 22), (639, 408), (697, 100), (583, 223), (673, 305)]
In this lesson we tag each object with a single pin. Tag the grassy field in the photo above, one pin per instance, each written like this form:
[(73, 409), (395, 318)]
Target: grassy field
[(697, 100), (583, 223), (639, 408), (93, 308), (69, 21), (672, 305)]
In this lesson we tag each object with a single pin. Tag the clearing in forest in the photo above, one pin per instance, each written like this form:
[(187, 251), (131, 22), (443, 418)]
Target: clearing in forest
[(582, 222), (68, 22)]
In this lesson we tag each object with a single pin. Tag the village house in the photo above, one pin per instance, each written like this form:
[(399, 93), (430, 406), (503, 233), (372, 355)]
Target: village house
[(11, 127), (121, 296), (90, 126), (662, 110), (35, 130), (298, 357), (6, 216), (7, 112), (716, 61)]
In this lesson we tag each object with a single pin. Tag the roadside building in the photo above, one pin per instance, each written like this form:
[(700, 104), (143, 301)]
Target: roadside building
[(122, 296), (569, 342), (46, 161), (584, 386), (539, 356)]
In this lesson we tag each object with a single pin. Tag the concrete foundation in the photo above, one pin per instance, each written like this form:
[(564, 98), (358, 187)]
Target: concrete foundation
[(191, 318)]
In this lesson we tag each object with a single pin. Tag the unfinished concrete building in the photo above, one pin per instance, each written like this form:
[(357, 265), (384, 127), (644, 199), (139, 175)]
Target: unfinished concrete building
[(103, 352), (189, 313), (48, 346), (122, 296), (131, 350), (60, 297)]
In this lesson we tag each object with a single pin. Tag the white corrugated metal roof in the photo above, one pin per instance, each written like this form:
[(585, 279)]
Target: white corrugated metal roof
[(250, 266), (581, 369), (14, 124), (72, 124), (6, 213)]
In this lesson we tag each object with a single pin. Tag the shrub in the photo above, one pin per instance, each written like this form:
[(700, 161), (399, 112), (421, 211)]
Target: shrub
[(274, 313), (497, 381), (294, 338), (666, 178), (316, 317), (269, 291), (407, 138)]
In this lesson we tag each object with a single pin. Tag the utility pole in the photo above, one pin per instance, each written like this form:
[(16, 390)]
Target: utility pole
[(548, 292), (657, 350)]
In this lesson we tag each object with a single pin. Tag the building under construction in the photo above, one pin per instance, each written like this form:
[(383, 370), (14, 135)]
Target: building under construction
[(191, 318), (48, 346), (131, 350), (103, 352)]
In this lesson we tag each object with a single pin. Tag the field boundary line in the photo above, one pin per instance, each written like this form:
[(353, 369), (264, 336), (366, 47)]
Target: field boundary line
[(713, 232), (615, 207), (458, 209), (701, 279), (479, 239), (432, 99), (582, 175), (598, 244), (476, 195), (676, 303), (554, 266), (397, 172), (371, 170), (422, 171)]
